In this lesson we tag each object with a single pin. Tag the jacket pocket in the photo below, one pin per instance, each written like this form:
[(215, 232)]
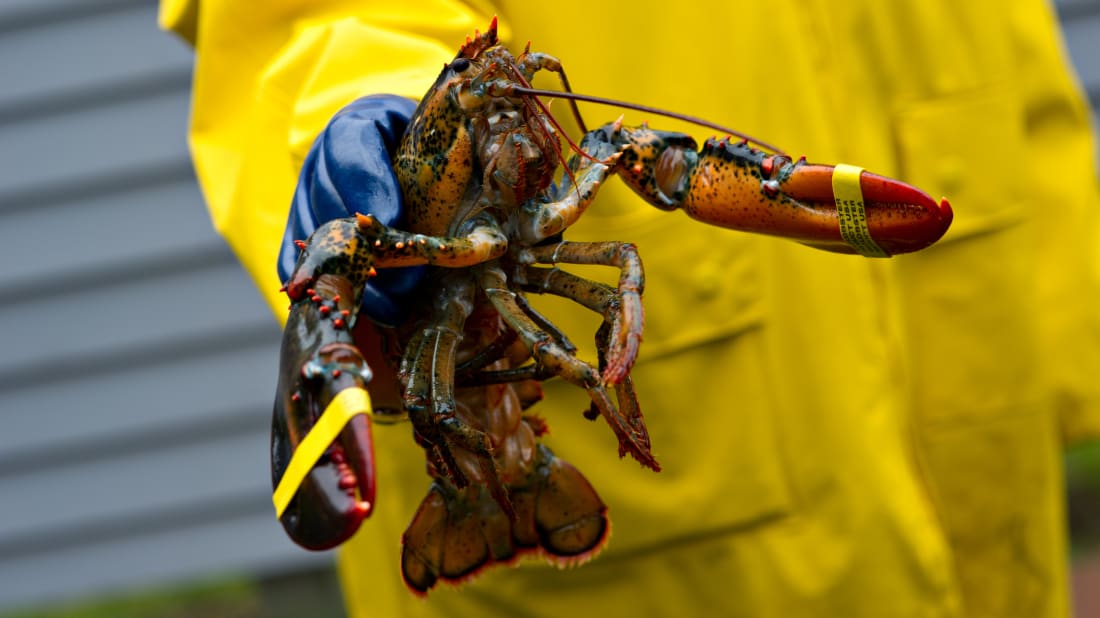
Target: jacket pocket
[(969, 148)]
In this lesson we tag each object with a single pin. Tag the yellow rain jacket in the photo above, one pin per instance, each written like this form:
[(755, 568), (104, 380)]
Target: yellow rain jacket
[(840, 436)]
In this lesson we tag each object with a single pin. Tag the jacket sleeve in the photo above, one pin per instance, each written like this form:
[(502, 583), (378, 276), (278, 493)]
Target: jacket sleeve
[(1061, 139)]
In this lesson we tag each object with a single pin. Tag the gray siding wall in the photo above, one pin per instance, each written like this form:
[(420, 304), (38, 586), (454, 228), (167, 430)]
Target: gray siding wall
[(138, 363)]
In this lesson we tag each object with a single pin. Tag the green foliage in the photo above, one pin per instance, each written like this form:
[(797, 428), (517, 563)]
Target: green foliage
[(223, 599), (1083, 487)]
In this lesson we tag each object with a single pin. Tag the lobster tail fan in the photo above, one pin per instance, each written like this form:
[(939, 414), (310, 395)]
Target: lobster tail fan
[(456, 534)]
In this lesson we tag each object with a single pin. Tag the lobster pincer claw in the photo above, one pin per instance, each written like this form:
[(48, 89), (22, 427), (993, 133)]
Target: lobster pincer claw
[(322, 460), (878, 213), (734, 185)]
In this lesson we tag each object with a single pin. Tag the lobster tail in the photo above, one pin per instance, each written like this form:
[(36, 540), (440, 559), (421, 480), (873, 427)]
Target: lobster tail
[(457, 533), (567, 515)]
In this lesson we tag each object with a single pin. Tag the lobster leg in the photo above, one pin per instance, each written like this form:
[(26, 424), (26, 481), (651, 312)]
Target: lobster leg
[(625, 395), (732, 185), (623, 310), (319, 361), (537, 221), (416, 376), (630, 428), (602, 299), (428, 372), (354, 247)]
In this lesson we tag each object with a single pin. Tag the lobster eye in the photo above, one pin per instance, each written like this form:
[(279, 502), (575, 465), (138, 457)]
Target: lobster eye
[(460, 65)]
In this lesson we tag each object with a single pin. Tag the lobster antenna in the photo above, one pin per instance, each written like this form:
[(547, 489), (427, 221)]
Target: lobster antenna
[(572, 101), (560, 70), (648, 110)]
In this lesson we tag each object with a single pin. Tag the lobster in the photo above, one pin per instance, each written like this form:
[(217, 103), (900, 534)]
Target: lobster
[(477, 169)]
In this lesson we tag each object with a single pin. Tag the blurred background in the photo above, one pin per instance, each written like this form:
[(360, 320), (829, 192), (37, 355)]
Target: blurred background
[(138, 363)]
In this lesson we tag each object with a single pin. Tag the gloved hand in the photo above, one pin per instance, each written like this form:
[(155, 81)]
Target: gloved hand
[(347, 171)]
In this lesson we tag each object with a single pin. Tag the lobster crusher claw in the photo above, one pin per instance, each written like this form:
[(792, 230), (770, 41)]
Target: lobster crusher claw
[(322, 451)]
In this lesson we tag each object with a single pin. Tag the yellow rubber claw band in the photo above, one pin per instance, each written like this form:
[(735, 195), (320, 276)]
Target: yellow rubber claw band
[(850, 212), (346, 404)]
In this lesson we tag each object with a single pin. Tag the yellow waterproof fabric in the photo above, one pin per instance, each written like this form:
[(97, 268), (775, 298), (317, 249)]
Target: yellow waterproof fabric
[(840, 436)]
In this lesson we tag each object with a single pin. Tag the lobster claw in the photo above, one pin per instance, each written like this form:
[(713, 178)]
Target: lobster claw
[(731, 184), (322, 389), (899, 217)]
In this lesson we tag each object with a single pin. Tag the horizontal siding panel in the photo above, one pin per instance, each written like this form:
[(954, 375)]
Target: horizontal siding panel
[(87, 53), (102, 140), (166, 219), (125, 408), (57, 10), (1071, 8), (155, 312), (251, 542), (1082, 37), (135, 487), (10, 9)]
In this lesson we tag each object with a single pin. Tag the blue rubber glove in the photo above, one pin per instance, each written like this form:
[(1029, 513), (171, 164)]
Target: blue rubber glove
[(348, 170)]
